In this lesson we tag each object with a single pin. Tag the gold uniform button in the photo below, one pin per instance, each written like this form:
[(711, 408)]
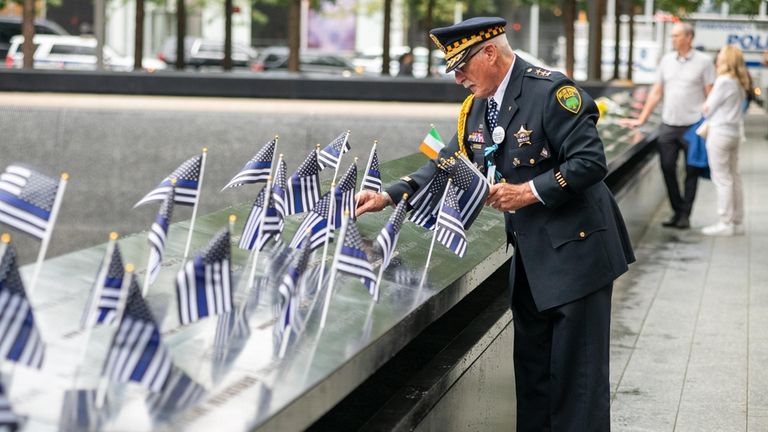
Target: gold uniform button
[(582, 234), (532, 161)]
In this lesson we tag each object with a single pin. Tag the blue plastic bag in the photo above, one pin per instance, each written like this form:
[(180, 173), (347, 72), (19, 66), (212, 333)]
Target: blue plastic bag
[(697, 149)]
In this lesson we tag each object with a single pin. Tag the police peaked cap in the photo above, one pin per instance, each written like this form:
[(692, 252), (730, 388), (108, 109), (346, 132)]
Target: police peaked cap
[(455, 41)]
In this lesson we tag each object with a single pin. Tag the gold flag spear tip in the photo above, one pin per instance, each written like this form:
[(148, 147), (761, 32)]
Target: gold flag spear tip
[(317, 145), (431, 125), (129, 268), (113, 235), (65, 176), (346, 213), (281, 155), (232, 218), (375, 141), (356, 159), (405, 196), (205, 149), (5, 238), (277, 136)]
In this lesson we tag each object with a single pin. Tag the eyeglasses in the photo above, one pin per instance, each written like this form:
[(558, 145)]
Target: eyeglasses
[(461, 65)]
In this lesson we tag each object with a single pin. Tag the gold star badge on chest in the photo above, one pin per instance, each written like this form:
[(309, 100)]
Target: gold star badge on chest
[(523, 136)]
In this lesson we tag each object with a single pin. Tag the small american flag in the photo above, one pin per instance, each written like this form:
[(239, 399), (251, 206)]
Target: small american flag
[(187, 183), (179, 393), (280, 188), (352, 258), (105, 295), (345, 196), (263, 223), (426, 201), (257, 169), (137, 352), (158, 234), (288, 318), (317, 223), (372, 179), (472, 190), (26, 199), (8, 418), (330, 155), (204, 284), (450, 229), (387, 238), (303, 188), (20, 340)]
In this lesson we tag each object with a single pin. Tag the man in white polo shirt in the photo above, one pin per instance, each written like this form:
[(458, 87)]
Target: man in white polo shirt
[(685, 77)]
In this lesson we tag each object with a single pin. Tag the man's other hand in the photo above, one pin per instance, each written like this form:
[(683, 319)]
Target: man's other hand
[(369, 201)]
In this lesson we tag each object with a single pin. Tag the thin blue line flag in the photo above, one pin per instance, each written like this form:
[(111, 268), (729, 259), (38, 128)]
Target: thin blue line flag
[(372, 180), (450, 229), (352, 258), (330, 155), (204, 284), (137, 352), (105, 294), (158, 234), (256, 170), (303, 187), (26, 199), (187, 177), (20, 340), (345, 196)]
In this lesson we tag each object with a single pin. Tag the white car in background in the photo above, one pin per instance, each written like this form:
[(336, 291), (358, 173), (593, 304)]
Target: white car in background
[(72, 53)]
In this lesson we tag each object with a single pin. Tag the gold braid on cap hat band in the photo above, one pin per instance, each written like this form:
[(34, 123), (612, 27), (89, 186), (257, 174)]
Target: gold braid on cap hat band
[(461, 127), (457, 47)]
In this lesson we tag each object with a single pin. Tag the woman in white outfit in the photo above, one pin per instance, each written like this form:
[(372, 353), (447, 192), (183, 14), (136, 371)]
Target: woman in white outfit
[(724, 109)]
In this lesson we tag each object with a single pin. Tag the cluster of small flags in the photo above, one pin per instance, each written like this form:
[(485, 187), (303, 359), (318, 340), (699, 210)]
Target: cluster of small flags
[(204, 284)]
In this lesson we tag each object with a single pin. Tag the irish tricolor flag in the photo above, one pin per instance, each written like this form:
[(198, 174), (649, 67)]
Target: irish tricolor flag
[(432, 144)]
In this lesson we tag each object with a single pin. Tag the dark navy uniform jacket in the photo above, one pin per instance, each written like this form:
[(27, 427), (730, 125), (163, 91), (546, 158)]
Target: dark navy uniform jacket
[(575, 242)]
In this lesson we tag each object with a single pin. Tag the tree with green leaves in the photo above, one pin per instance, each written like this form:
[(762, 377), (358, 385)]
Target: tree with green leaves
[(743, 7)]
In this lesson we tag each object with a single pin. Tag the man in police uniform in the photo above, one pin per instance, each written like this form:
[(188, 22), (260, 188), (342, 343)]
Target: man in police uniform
[(536, 129)]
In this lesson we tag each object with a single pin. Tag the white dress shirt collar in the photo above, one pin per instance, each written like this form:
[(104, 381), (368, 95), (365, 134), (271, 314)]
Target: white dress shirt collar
[(499, 95)]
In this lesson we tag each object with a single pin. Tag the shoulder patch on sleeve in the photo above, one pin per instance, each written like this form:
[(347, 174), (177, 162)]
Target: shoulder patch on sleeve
[(569, 98)]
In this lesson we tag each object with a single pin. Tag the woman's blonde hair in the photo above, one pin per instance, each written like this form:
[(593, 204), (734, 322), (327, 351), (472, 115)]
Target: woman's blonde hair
[(732, 63)]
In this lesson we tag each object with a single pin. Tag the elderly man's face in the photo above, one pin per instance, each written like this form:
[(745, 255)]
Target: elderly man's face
[(681, 40), (476, 74)]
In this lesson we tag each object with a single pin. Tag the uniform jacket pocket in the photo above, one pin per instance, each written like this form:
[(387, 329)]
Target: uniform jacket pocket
[(574, 223)]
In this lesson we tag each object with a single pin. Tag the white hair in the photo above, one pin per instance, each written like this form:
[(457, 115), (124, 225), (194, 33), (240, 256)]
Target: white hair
[(502, 44), (686, 27)]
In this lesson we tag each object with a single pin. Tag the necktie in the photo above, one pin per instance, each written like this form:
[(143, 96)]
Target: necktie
[(492, 117), (492, 114)]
